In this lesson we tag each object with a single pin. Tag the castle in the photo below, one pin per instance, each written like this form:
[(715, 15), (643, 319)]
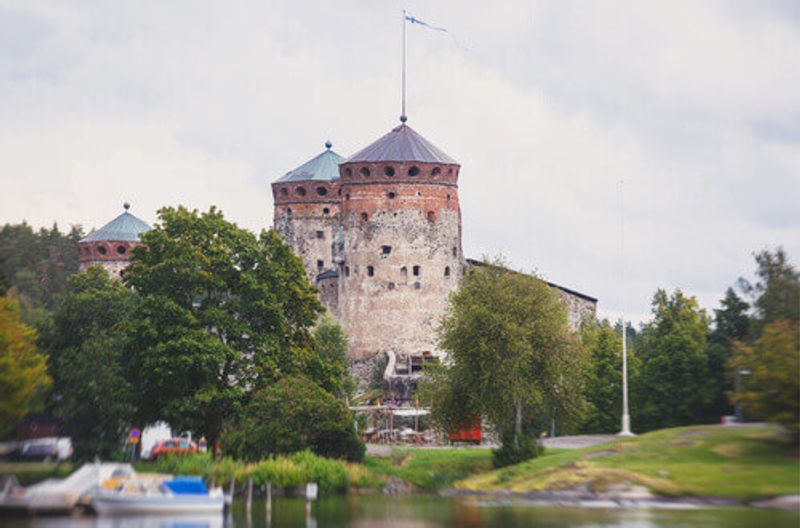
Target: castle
[(380, 235)]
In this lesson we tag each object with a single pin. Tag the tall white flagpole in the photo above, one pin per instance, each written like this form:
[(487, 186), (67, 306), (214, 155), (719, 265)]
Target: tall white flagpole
[(626, 419), (403, 116)]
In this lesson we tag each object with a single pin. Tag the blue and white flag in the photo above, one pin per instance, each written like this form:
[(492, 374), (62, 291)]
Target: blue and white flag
[(422, 23)]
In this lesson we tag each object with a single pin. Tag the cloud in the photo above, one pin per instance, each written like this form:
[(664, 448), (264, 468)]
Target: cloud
[(693, 105)]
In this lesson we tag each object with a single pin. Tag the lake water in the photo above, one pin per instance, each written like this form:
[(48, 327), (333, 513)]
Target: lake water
[(423, 511)]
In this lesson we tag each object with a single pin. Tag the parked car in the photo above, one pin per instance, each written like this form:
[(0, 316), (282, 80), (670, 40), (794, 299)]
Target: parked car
[(173, 446), (44, 449)]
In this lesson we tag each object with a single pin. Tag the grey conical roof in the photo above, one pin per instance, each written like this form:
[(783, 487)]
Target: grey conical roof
[(124, 228), (324, 167), (401, 144)]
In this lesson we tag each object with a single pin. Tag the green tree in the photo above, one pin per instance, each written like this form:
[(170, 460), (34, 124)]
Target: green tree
[(23, 370), (223, 313), (772, 389), (88, 362), (292, 415), (512, 358), (731, 324), (776, 292), (329, 366), (604, 376), (673, 386)]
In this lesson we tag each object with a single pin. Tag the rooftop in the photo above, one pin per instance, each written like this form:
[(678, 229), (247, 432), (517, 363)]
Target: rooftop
[(324, 167), (402, 144), (124, 228)]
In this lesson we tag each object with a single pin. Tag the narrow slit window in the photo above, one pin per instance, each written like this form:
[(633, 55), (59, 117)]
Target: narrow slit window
[(371, 271), (417, 271)]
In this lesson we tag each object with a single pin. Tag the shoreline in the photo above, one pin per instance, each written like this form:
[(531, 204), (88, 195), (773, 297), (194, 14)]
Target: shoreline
[(626, 499)]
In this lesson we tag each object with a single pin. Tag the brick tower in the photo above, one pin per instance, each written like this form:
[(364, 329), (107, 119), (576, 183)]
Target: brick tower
[(307, 207), (401, 230), (110, 246)]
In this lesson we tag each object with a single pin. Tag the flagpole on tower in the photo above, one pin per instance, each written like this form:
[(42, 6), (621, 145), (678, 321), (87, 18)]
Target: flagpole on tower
[(403, 116), (626, 419)]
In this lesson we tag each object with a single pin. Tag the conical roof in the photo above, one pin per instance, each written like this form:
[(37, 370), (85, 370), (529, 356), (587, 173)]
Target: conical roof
[(124, 228), (402, 144), (324, 167)]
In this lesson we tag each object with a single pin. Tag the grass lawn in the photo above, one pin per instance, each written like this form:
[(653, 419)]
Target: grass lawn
[(704, 461), (32, 472), (430, 469)]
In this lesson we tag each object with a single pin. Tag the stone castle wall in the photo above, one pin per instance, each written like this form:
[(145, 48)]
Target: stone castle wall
[(113, 256)]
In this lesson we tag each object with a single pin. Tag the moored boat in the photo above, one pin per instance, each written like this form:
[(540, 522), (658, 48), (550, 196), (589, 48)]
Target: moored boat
[(141, 495)]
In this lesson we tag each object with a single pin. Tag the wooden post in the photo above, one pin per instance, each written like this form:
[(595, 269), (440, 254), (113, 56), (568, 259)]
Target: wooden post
[(268, 504), (249, 497)]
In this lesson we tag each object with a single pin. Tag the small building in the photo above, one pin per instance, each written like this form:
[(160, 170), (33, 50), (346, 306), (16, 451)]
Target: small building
[(111, 245)]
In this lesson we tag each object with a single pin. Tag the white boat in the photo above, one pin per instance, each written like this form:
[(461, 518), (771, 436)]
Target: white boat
[(59, 495), (158, 496)]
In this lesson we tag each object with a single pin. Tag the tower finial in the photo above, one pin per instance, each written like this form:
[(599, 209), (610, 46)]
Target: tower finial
[(328, 144), (403, 118), (126, 205)]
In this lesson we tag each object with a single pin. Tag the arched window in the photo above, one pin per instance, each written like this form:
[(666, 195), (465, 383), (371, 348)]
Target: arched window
[(322, 191), (391, 195), (284, 191), (371, 271), (101, 250), (417, 270), (413, 171), (365, 172), (447, 271), (325, 210), (301, 191), (288, 211), (121, 250), (348, 172), (388, 170), (436, 171), (404, 273)]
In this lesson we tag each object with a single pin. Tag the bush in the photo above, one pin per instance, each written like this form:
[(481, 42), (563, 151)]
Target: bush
[(507, 454), (290, 416)]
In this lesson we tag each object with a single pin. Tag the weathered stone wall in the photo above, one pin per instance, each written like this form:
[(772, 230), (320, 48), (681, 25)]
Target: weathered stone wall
[(306, 215), (580, 307), (328, 286), (402, 255), (113, 256)]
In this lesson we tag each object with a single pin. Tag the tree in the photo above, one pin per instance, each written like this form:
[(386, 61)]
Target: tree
[(771, 390), (673, 386), (23, 370), (88, 362), (512, 358), (731, 324), (328, 366), (604, 376), (776, 292), (292, 415), (223, 313)]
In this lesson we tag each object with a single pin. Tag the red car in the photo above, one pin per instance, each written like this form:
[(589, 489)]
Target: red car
[(173, 446)]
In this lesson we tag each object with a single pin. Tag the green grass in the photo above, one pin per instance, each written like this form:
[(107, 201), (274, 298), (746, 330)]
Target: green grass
[(430, 469), (703, 461), (32, 472)]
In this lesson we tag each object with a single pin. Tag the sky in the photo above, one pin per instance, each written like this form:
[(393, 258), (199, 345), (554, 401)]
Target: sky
[(611, 147)]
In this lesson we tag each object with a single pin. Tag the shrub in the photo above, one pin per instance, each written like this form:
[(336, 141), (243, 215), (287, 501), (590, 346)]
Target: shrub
[(293, 415), (508, 454)]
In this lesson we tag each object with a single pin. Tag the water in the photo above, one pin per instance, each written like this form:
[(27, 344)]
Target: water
[(424, 511)]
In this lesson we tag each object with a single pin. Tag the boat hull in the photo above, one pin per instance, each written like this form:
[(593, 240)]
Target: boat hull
[(157, 505)]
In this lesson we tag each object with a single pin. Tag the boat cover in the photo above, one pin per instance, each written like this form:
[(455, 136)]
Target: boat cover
[(187, 486)]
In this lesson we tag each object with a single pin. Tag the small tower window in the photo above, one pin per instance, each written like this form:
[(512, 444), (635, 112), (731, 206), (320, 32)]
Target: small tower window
[(288, 211), (364, 172), (390, 285), (320, 263), (320, 234), (322, 191), (417, 285), (404, 273), (436, 171), (347, 196), (364, 217), (416, 270), (431, 216), (348, 172), (347, 271), (325, 211), (371, 271), (386, 249), (391, 195), (101, 250), (455, 251), (121, 250), (301, 191), (413, 171), (388, 170), (448, 197), (447, 271), (284, 191)]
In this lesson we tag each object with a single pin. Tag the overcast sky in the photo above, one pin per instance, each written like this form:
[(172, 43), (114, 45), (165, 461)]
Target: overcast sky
[(547, 106)]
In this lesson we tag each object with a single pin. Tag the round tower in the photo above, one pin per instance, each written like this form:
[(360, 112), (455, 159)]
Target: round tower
[(111, 245), (402, 246), (307, 208)]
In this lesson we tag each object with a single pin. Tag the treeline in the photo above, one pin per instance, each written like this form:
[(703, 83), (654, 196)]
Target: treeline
[(685, 364), (211, 325)]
